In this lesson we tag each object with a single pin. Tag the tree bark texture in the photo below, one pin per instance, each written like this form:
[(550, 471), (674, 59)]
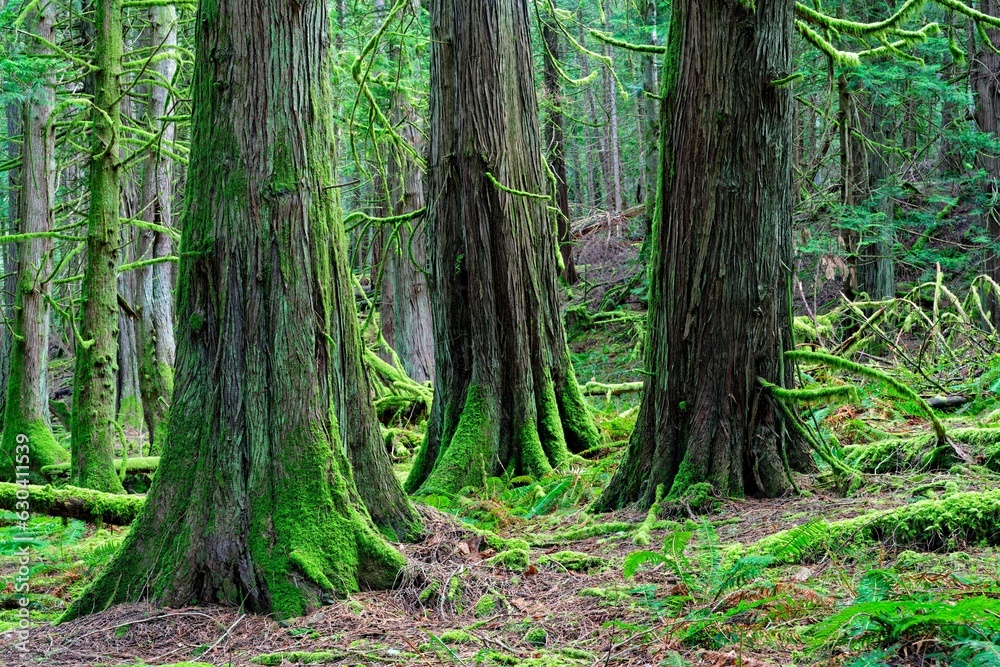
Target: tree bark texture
[(720, 306), (93, 431), (154, 301), (254, 502), (26, 413), (986, 83), (506, 397)]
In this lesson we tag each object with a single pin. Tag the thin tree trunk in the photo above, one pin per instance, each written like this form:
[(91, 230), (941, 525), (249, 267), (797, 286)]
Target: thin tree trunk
[(614, 160), (10, 249), (154, 282), (128, 398), (720, 291), (651, 114), (93, 433), (506, 397), (26, 413), (406, 255), (254, 503), (555, 141)]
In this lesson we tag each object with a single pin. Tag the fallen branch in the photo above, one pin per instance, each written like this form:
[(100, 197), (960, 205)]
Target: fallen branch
[(142, 465), (74, 503), (594, 388)]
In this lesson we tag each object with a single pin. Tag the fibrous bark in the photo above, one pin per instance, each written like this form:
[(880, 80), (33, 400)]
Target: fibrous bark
[(720, 302), (254, 502), (986, 83), (555, 144), (154, 301), (26, 413), (506, 399), (94, 433)]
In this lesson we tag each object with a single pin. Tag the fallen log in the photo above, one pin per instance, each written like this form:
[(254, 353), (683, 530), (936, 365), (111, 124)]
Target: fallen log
[(73, 503), (594, 388), (139, 465)]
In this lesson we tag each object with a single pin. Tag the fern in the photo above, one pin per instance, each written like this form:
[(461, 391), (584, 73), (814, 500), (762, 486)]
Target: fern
[(544, 505)]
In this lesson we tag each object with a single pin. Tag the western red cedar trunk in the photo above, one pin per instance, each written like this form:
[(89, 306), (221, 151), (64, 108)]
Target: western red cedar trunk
[(26, 412), (506, 398), (254, 502), (720, 301), (128, 398), (555, 143), (93, 430), (154, 301), (986, 83)]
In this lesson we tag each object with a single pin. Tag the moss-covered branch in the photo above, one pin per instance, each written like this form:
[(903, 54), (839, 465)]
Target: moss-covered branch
[(75, 503), (145, 464)]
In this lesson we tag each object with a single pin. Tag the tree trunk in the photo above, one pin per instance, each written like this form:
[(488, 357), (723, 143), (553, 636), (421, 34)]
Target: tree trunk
[(720, 295), (614, 161), (875, 269), (154, 301), (10, 250), (986, 83), (506, 398), (26, 414), (254, 502), (651, 117), (412, 335), (128, 398), (555, 141), (93, 431)]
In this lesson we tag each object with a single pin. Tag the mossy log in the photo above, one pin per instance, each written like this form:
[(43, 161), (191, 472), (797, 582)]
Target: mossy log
[(922, 452), (594, 388), (74, 503), (928, 525), (143, 465)]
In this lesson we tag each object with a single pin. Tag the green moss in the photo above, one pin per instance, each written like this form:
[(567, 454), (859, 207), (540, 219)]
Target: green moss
[(578, 424), (466, 458), (43, 449), (485, 605), (610, 594), (550, 429), (85, 504), (585, 532), (511, 559), (642, 536), (575, 561), (130, 412), (536, 636), (456, 637), (960, 518), (145, 464), (298, 658)]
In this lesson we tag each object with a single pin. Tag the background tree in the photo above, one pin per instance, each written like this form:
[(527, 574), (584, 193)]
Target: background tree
[(94, 432), (27, 407)]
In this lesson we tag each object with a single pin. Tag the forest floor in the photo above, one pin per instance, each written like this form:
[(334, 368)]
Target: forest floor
[(519, 573)]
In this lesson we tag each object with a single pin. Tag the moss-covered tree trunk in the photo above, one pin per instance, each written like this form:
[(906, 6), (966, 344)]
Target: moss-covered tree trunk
[(986, 84), (93, 430), (26, 413), (254, 503), (154, 302), (555, 145), (720, 299), (412, 334), (506, 398)]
